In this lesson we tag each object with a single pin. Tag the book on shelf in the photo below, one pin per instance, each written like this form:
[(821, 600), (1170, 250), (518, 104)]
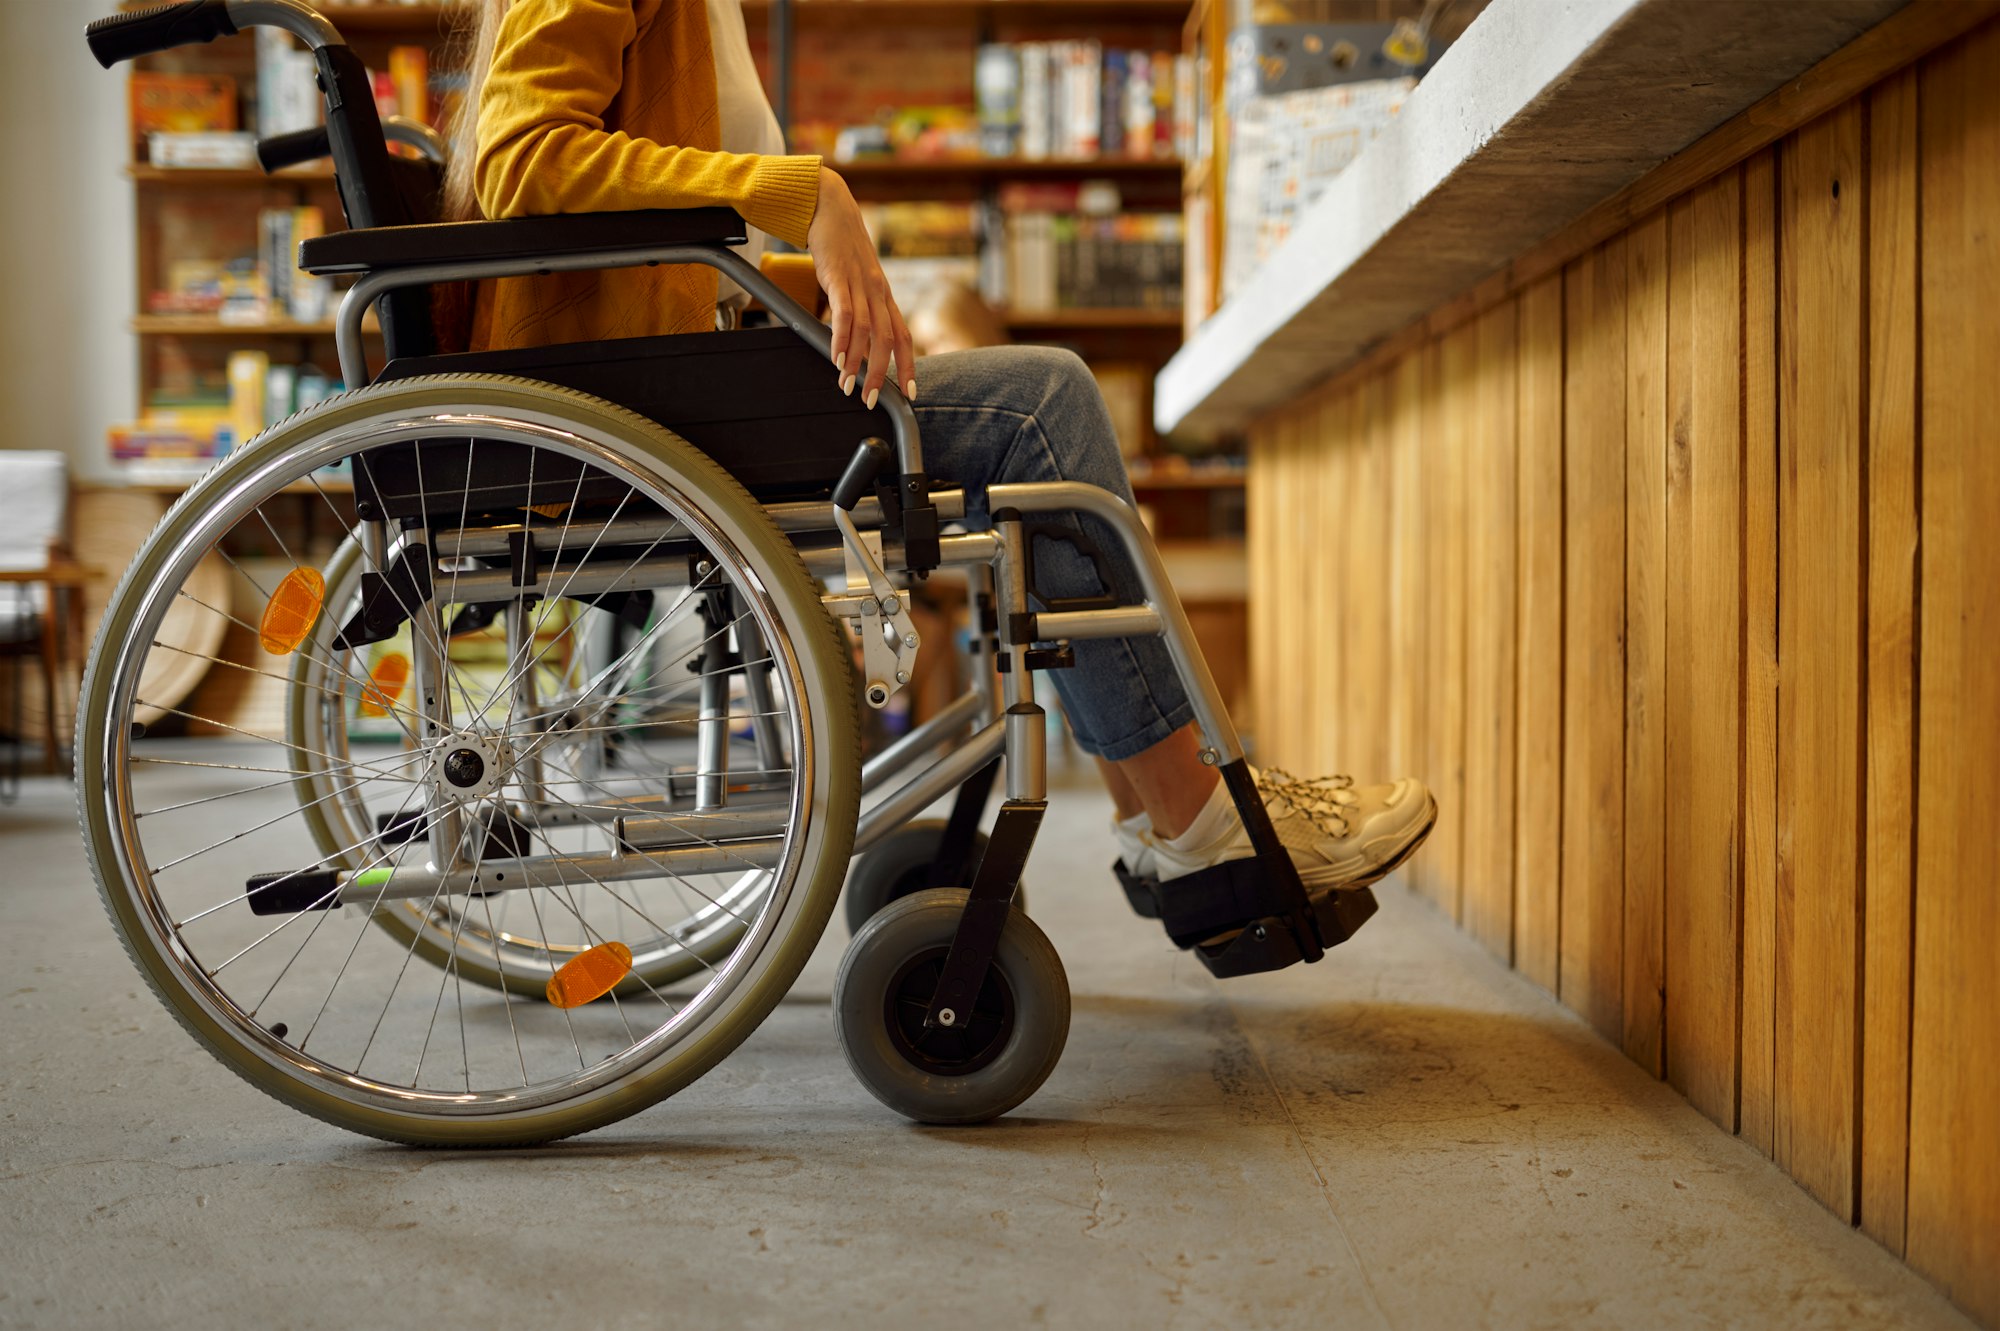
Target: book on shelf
[(201, 150), (288, 292), (1078, 100), (410, 77), (288, 96), (1055, 247), (179, 104)]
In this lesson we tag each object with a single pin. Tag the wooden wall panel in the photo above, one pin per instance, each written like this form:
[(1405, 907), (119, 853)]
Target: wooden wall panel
[(1704, 571), (1593, 766), (1890, 773), (1756, 1108), (1645, 807), (1433, 872), (1954, 1171), (1538, 693), (1324, 490), (1364, 628), (1263, 541), (1680, 592), (1448, 458), (1407, 615), (1491, 588), (1820, 602)]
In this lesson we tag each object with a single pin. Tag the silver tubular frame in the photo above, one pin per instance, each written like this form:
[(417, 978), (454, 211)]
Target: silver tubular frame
[(1019, 732), (302, 21)]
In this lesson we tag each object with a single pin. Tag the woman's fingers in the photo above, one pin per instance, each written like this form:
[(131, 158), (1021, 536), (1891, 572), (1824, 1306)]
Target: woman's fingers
[(881, 346), (840, 303), (860, 348)]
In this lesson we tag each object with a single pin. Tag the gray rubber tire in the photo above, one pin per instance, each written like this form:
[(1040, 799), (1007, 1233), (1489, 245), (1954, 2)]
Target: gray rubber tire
[(1025, 962), (825, 656), (899, 866)]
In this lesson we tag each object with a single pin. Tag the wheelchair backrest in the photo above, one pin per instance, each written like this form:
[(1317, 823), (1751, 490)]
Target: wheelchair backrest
[(377, 188)]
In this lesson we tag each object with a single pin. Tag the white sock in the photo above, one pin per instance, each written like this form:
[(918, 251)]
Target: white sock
[(1216, 828), (1130, 834)]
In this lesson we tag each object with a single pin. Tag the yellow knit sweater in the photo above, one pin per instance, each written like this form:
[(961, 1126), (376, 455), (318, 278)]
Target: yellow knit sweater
[(607, 106)]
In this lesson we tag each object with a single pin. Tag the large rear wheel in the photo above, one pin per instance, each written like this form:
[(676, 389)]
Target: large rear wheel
[(551, 803)]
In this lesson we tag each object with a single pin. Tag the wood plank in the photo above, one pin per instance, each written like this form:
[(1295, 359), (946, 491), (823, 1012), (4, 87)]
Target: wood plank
[(1954, 1196), (1289, 589), (1704, 508), (1890, 807), (1760, 649), (1260, 525), (1302, 485), (1407, 617), (1428, 874), (1820, 650), (1593, 777), (1364, 628), (1456, 362), (1645, 850), (1491, 589), (1539, 633), (1321, 550)]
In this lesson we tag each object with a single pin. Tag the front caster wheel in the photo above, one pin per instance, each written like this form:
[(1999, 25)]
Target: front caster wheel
[(905, 862), (993, 1058)]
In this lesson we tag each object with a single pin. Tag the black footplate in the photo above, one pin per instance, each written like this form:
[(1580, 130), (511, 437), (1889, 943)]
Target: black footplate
[(1270, 943), (1227, 917), (1141, 892)]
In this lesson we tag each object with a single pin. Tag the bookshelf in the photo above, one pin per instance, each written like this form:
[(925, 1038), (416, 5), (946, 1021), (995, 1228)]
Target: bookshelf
[(848, 63), (208, 218)]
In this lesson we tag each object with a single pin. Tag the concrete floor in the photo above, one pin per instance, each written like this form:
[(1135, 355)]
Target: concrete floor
[(1407, 1135)]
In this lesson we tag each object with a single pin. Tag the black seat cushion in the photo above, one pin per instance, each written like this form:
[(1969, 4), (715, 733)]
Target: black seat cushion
[(759, 401)]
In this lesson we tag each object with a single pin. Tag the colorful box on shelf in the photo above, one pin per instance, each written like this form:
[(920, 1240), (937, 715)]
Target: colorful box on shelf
[(179, 104), (173, 443)]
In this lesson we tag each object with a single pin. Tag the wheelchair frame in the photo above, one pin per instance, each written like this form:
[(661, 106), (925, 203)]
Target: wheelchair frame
[(1277, 922)]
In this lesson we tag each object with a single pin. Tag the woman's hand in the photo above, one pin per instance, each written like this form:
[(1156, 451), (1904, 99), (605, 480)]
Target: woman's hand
[(868, 329)]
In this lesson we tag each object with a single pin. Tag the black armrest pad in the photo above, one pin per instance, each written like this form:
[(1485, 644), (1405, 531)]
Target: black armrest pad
[(378, 248)]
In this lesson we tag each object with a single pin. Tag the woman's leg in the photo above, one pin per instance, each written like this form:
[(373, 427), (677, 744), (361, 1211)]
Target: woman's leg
[(1034, 414)]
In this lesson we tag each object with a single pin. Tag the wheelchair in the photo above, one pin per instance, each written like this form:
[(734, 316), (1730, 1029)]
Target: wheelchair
[(595, 604)]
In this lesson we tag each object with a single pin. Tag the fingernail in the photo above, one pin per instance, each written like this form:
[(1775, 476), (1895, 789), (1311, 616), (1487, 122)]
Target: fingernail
[(873, 394), (840, 362), (910, 390), (847, 385)]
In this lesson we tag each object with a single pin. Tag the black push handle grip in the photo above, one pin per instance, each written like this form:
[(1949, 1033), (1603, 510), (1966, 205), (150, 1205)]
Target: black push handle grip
[(869, 459), (162, 28), (301, 145)]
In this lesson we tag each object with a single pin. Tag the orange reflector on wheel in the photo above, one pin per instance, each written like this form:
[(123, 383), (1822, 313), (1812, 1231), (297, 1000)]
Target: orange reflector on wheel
[(385, 684), (590, 976), (292, 611)]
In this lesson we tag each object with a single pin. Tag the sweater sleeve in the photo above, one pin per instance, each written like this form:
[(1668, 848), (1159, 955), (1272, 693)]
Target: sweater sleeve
[(543, 147)]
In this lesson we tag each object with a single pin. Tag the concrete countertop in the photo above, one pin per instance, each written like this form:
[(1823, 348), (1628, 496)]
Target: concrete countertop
[(1543, 109)]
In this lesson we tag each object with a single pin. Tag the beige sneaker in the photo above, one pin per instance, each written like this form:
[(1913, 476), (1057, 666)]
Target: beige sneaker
[(1340, 835)]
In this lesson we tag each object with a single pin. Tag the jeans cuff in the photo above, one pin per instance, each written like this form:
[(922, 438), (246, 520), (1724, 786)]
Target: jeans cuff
[(1136, 743)]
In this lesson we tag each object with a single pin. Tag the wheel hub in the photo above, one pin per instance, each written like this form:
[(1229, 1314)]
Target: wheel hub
[(469, 766), (973, 1039)]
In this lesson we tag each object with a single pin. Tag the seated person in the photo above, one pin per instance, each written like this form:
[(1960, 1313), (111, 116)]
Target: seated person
[(582, 106)]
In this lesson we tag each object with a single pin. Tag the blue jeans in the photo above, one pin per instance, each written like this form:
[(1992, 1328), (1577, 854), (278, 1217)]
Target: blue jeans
[(1034, 414)]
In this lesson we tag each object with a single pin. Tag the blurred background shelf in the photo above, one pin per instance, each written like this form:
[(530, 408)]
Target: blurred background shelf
[(201, 325)]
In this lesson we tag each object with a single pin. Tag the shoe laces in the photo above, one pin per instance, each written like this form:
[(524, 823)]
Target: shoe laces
[(1322, 801)]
